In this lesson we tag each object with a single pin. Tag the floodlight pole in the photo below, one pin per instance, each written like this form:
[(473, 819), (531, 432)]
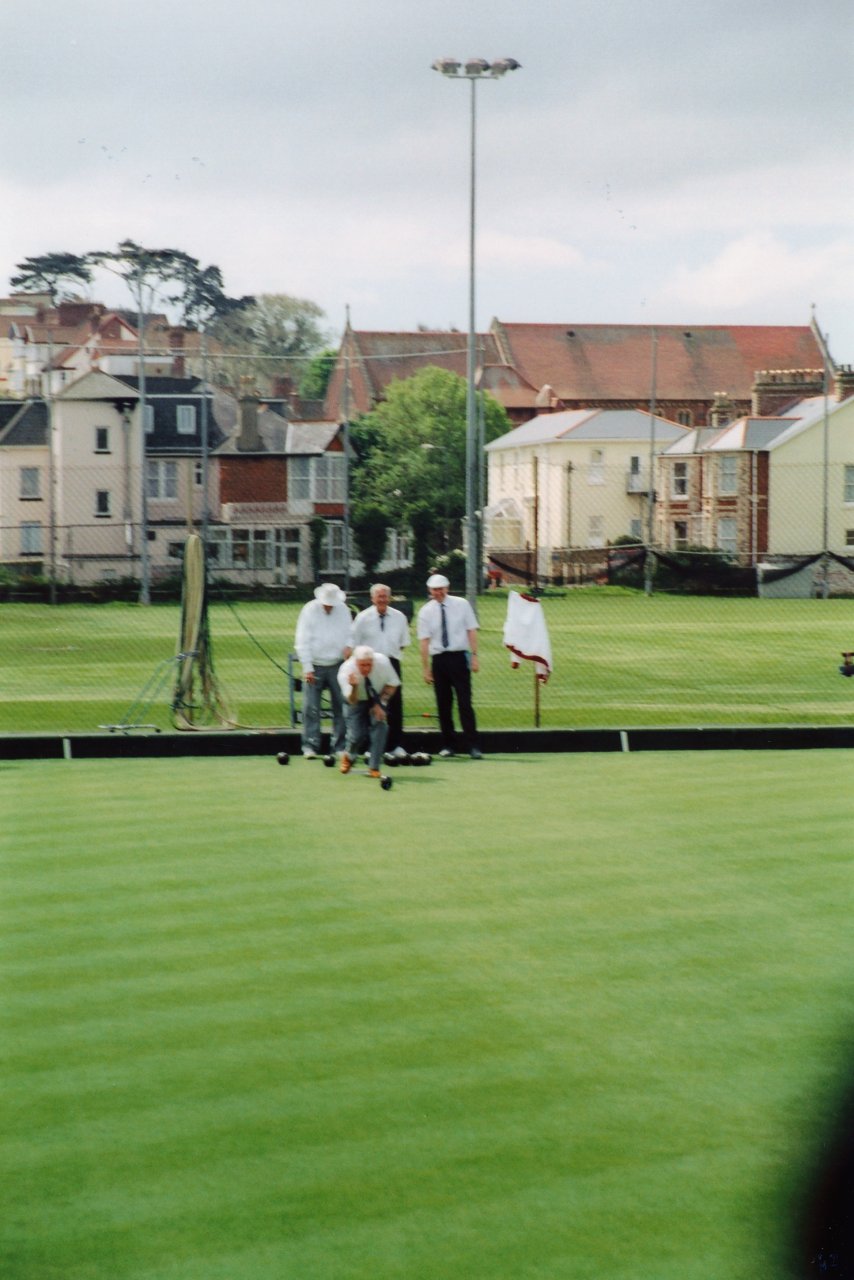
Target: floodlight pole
[(473, 70)]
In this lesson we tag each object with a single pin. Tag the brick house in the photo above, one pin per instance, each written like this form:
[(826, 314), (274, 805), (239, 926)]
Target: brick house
[(769, 484)]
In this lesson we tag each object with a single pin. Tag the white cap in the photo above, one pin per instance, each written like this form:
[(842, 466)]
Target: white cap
[(437, 580)]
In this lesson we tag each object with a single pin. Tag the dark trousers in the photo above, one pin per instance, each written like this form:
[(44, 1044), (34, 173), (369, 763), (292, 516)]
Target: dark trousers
[(395, 713), (451, 676)]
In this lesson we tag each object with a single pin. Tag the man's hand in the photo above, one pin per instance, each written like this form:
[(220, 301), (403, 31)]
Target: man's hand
[(475, 663), (428, 676), (378, 712), (353, 678), (309, 677)]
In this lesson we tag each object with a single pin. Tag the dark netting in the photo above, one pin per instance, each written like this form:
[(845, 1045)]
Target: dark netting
[(626, 566), (790, 568), (702, 573)]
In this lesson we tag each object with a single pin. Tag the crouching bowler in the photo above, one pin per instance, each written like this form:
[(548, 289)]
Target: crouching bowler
[(368, 681)]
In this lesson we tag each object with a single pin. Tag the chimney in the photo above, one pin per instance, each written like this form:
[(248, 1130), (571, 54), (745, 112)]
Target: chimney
[(844, 379), (775, 389), (722, 410), (249, 437), (176, 350)]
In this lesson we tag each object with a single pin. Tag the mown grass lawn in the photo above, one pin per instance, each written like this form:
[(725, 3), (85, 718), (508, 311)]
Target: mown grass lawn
[(539, 1016), (621, 659)]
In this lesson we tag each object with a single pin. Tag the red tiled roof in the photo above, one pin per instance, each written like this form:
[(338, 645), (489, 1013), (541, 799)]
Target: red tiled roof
[(603, 361), (376, 358)]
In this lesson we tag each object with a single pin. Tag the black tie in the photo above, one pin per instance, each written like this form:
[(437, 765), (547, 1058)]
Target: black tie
[(444, 626), (369, 690), (382, 622)]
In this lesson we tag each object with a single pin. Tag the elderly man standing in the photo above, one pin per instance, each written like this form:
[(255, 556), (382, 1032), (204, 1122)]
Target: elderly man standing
[(322, 643), (386, 631), (447, 635), (368, 685)]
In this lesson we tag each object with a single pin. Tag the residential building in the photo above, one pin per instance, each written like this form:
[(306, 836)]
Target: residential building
[(275, 479), (78, 496), (568, 481), (769, 487)]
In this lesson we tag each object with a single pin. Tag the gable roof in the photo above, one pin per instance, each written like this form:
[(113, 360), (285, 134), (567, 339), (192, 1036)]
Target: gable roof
[(373, 359), (760, 434), (97, 385), (614, 362), (589, 424)]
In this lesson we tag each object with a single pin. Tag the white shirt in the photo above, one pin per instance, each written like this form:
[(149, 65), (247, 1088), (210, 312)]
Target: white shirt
[(322, 637), (382, 674), (459, 617), (386, 633)]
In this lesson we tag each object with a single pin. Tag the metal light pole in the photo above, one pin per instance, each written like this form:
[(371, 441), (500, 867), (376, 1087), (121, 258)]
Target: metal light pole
[(473, 70)]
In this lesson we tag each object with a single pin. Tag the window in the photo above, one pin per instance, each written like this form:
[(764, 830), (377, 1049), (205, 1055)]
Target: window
[(161, 478), (849, 484), (636, 530), (332, 549), (102, 502), (596, 531), (30, 483), (320, 479), (680, 535), (685, 417), (849, 537), (679, 480), (102, 439), (728, 534), (636, 482), (148, 418), (186, 420), (728, 475), (198, 472), (31, 538), (596, 467), (299, 479), (329, 478)]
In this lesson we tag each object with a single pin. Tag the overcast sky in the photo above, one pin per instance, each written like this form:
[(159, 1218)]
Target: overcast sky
[(654, 161)]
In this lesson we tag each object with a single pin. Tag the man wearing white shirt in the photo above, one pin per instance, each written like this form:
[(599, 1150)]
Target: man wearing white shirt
[(322, 643), (386, 631), (447, 636), (369, 686)]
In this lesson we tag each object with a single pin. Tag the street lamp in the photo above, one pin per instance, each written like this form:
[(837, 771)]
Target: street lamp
[(473, 70)]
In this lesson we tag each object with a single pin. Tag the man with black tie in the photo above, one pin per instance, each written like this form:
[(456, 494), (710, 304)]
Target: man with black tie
[(386, 631), (368, 683), (447, 636)]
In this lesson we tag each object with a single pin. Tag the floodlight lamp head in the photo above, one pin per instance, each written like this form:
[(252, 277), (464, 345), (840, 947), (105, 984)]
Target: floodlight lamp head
[(476, 66), (447, 66), (501, 65)]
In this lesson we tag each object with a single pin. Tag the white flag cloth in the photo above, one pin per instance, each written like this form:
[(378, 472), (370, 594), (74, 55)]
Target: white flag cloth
[(526, 634)]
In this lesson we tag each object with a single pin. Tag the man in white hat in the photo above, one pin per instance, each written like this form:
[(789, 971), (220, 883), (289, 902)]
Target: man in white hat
[(447, 636), (369, 686), (322, 643)]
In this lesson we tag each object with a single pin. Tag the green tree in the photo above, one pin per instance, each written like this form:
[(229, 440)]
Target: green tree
[(59, 274), (276, 335), (318, 371), (173, 276), (412, 450)]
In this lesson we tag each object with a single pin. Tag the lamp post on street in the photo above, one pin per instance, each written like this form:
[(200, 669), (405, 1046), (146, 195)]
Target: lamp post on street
[(473, 70)]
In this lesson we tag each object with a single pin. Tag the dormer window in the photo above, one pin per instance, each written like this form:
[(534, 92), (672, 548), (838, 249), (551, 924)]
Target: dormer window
[(186, 421)]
